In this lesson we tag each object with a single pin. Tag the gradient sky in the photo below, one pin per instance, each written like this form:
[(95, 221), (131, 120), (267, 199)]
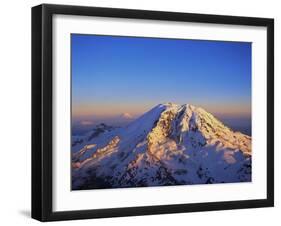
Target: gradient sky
[(114, 75)]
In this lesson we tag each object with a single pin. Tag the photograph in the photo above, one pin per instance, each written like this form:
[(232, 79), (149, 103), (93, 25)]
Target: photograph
[(152, 111), (144, 111)]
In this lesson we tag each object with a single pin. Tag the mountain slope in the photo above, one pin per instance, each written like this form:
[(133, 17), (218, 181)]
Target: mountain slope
[(169, 145)]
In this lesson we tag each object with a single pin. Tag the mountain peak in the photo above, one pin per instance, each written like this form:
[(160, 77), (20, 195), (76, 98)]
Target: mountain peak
[(169, 144), (168, 105), (126, 115)]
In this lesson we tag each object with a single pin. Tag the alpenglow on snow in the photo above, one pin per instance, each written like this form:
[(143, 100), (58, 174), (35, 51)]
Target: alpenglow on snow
[(169, 145)]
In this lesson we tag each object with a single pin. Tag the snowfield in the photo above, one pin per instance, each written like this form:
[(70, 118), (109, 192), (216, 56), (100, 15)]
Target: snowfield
[(169, 145)]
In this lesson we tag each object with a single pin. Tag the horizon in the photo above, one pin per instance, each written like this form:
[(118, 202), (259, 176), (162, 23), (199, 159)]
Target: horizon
[(84, 125), (115, 76)]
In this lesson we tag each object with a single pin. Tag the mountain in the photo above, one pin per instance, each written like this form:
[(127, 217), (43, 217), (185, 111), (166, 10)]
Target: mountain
[(127, 116), (169, 145)]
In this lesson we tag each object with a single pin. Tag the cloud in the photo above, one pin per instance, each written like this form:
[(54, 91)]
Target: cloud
[(86, 122)]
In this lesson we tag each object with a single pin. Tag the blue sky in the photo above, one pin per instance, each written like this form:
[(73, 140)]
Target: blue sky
[(113, 75)]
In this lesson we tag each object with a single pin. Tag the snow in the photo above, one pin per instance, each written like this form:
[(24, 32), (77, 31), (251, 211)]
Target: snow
[(168, 145)]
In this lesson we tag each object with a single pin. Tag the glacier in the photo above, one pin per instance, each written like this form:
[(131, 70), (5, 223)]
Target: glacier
[(169, 145)]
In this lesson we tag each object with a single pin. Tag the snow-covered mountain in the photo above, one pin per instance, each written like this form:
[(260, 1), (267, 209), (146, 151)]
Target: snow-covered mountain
[(168, 145)]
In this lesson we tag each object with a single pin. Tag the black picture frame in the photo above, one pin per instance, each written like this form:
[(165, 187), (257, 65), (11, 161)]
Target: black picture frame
[(42, 107)]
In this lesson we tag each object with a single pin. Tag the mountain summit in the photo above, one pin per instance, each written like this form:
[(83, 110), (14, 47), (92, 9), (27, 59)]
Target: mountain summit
[(169, 145)]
